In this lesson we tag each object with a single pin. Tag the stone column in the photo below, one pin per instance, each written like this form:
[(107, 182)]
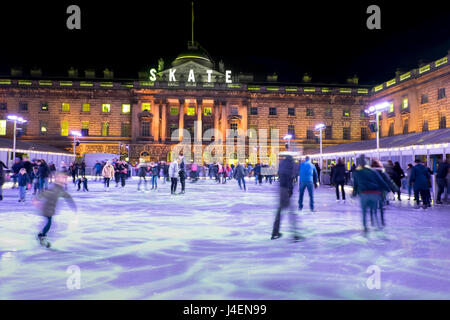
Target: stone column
[(199, 119), (224, 123), (181, 118), (163, 120), (155, 122), (243, 113), (216, 117), (135, 125)]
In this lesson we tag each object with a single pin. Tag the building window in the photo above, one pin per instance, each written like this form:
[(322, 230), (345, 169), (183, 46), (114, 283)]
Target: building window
[(346, 133), (234, 110), (272, 111), (174, 111), (391, 129), (44, 106), (105, 129), (106, 108), (146, 107), (22, 130), (406, 126), (43, 128), (405, 103), (207, 111), (252, 131), (2, 127), (328, 113), (172, 129), (23, 106), (291, 130), (364, 114), (328, 132), (234, 126), (253, 111), (146, 129), (424, 99), (64, 128), (190, 111), (310, 134), (442, 122), (291, 111), (86, 107), (125, 129), (126, 108), (441, 93), (346, 113), (364, 135), (425, 125), (309, 112), (3, 106), (65, 107), (391, 107), (85, 128)]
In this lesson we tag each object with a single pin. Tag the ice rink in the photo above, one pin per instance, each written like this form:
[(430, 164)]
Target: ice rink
[(214, 243)]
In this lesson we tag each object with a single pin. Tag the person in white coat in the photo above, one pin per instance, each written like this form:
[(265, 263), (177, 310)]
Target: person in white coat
[(174, 169)]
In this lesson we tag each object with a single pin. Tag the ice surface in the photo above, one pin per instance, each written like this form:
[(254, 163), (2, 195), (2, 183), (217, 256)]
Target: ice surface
[(214, 243)]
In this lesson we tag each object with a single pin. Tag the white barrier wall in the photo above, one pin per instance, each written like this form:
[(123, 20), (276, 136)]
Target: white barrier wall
[(56, 158)]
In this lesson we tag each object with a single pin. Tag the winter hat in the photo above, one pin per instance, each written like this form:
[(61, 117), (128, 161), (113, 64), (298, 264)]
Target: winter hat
[(361, 160)]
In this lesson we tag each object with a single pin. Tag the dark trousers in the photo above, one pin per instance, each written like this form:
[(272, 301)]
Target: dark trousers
[(183, 183), (173, 185), (46, 227), (117, 178), (425, 195), (243, 182), (140, 181), (154, 182), (369, 201), (285, 195), (398, 183), (106, 182), (123, 176), (342, 190), (442, 185), (309, 186)]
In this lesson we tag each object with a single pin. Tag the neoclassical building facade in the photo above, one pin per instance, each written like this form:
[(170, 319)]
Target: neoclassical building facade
[(139, 117)]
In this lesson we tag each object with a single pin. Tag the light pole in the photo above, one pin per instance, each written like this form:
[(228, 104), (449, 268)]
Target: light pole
[(320, 127), (75, 134), (377, 110), (16, 120)]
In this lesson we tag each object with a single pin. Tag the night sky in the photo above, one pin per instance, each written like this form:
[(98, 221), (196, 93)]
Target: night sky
[(329, 40)]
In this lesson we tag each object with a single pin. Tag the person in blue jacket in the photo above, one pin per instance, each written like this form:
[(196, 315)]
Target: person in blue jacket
[(308, 179), (420, 179)]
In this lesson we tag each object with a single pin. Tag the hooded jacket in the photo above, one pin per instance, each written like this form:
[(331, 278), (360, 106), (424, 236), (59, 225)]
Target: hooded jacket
[(174, 169)]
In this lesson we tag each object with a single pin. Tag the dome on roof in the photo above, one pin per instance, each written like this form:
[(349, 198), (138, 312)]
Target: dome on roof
[(196, 54)]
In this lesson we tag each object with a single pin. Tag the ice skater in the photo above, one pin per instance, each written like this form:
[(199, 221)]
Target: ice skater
[(369, 185), (82, 181), (48, 200), (2, 178), (286, 174), (108, 173), (23, 181), (173, 174), (142, 173)]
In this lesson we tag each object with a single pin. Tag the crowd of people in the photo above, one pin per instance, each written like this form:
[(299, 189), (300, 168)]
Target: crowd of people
[(375, 183)]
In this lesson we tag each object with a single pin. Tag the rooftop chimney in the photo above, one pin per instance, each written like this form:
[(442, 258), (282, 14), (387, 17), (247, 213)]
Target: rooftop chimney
[(89, 73), (72, 72)]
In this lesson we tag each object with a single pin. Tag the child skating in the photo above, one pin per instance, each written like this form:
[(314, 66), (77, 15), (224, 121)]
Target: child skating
[(49, 200)]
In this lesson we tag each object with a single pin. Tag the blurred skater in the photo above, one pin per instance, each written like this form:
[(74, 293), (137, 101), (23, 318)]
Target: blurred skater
[(48, 200), (286, 174)]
